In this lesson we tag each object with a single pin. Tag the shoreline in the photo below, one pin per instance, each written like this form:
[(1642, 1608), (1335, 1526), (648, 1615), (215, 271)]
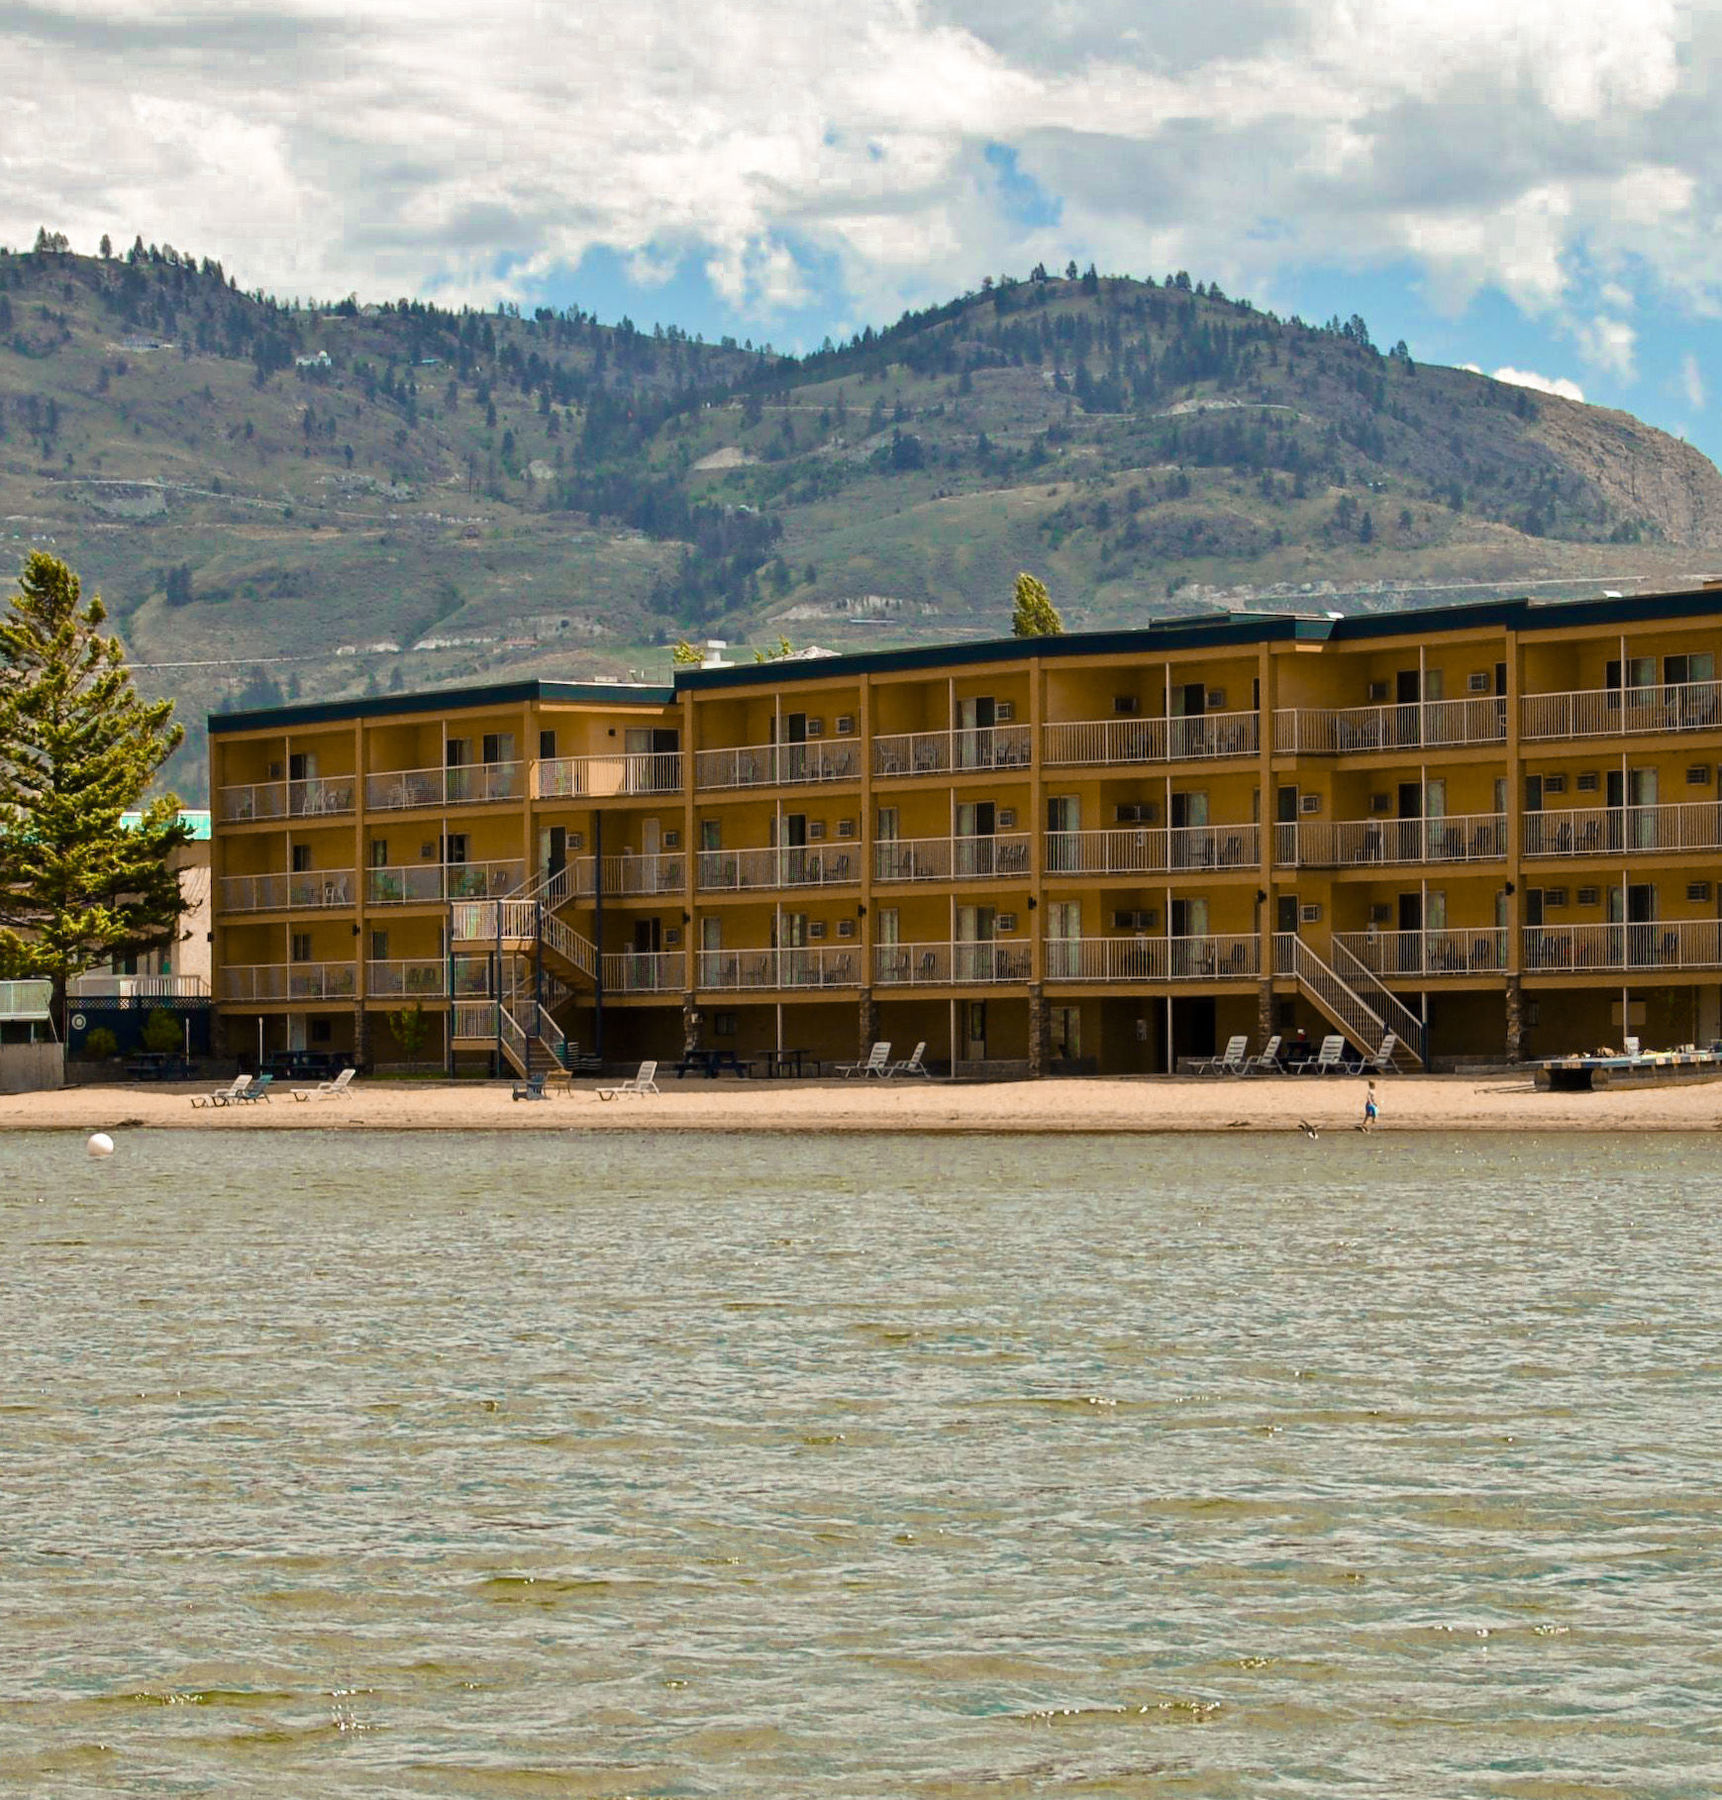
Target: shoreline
[(1129, 1105)]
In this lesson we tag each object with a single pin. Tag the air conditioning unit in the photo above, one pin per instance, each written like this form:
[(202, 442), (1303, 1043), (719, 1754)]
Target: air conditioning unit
[(1554, 784), (1124, 705), (576, 840), (846, 828), (1004, 711), (1478, 681), (672, 840), (1216, 700), (276, 771), (1310, 803), (1309, 912), (1698, 775), (1005, 922), (845, 724), (816, 928), (1380, 803), (846, 928), (1007, 818), (1698, 890), (1588, 781), (1380, 914), (1589, 896), (815, 728), (815, 829), (1136, 812), (1135, 921), (673, 935), (1377, 691)]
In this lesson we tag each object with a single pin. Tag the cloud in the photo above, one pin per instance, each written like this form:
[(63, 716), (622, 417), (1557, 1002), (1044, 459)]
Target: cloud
[(1544, 384), (1608, 344), (1692, 382)]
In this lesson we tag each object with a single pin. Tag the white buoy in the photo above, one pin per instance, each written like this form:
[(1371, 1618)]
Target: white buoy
[(101, 1144)]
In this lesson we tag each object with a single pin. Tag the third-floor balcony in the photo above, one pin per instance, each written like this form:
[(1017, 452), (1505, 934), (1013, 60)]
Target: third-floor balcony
[(1152, 849), (1621, 712), (467, 784), (1624, 830), (1362, 843), (1202, 737), (1418, 725), (1653, 944), (778, 765), (427, 884), (607, 777), (952, 752), (1464, 950), (318, 796), (952, 858), (287, 892), (787, 866)]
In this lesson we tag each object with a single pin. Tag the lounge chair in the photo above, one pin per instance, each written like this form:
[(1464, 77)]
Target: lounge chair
[(1330, 1061), (258, 1090), (1630, 1046), (645, 1082), (1230, 1062), (327, 1090), (532, 1088), (877, 1063), (1268, 1061), (912, 1065), (1381, 1063), (222, 1096)]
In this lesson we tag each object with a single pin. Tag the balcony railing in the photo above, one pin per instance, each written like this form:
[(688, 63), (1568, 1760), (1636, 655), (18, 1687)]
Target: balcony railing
[(1430, 724), (1210, 957), (787, 866), (1623, 830), (466, 784), (283, 892), (628, 877), (1468, 950), (408, 977), (1622, 712), (96, 986), (947, 752), (1003, 854), (290, 981), (607, 777), (645, 971), (944, 965), (420, 884), (809, 967), (1357, 843), (1199, 738), (1656, 944), (779, 765), (1152, 850)]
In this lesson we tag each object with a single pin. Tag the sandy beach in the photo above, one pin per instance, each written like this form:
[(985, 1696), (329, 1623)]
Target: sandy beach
[(1141, 1104)]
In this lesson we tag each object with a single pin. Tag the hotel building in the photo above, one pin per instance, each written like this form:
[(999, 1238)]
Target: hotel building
[(1493, 830)]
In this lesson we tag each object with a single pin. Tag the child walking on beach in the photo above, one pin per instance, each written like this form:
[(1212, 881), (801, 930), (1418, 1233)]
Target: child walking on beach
[(1371, 1112)]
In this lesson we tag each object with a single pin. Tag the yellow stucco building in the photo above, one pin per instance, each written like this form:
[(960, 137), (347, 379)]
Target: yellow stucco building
[(1493, 830)]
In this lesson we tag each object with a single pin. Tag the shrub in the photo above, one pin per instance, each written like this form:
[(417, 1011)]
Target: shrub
[(100, 1044)]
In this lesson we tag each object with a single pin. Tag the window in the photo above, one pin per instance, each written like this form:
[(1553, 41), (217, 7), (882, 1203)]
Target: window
[(498, 746), (457, 752), (454, 847), (300, 948), (711, 834), (379, 946), (379, 853), (301, 858), (547, 745), (886, 830), (1698, 666), (321, 1032), (723, 1024)]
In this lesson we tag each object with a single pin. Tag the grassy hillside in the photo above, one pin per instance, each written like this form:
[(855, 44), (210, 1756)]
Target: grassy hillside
[(311, 501)]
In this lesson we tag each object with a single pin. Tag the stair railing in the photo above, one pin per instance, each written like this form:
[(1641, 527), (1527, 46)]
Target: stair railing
[(1399, 1018)]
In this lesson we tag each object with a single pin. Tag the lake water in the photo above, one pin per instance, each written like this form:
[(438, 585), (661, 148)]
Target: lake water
[(517, 1465)]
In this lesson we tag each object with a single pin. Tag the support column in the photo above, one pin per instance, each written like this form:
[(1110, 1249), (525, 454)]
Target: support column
[(362, 1035), (1039, 1031), (867, 1023), (1265, 1008), (1515, 1018)]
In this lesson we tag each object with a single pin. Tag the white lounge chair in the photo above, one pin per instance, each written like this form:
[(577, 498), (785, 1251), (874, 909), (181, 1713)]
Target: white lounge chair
[(222, 1096), (877, 1063), (1229, 1062), (1268, 1060), (1331, 1060), (912, 1065), (1630, 1045), (646, 1082), (327, 1090), (1381, 1063)]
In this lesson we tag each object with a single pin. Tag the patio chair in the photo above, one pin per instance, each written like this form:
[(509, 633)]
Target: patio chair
[(1631, 1047), (1330, 1060), (258, 1090), (876, 1063), (222, 1096), (1381, 1063), (645, 1082), (1269, 1060), (532, 1088), (327, 1090), (1230, 1062), (912, 1065)]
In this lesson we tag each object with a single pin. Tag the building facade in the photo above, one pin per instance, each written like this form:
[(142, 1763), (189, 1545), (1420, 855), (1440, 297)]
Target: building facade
[(1494, 830)]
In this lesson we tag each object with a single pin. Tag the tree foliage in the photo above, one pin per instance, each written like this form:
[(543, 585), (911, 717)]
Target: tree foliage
[(1034, 614), (78, 749), (686, 655)]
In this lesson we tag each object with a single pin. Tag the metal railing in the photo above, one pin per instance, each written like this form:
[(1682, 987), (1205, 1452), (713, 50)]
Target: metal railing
[(1330, 991), (1209, 957), (994, 960), (1619, 830), (251, 800), (465, 784), (947, 752), (1152, 849), (809, 966), (779, 765), (99, 986), (1654, 944), (645, 971), (787, 866), (1350, 843), (630, 876), (1466, 950), (1428, 724), (1202, 737), (607, 777), (1381, 1000), (1003, 854), (419, 884), (420, 977), (321, 796), (289, 981), (1622, 712), (283, 892)]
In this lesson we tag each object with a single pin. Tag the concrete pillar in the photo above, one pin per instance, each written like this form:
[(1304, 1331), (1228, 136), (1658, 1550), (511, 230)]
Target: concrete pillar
[(867, 1023), (1515, 1018), (1039, 1031)]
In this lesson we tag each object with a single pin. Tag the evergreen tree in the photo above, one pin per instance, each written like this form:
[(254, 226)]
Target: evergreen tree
[(1034, 614), (78, 748)]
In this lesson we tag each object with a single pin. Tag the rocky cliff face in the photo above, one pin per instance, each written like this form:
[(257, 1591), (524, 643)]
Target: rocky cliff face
[(1640, 471)]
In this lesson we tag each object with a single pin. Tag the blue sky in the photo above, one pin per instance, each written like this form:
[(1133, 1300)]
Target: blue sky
[(1529, 187)]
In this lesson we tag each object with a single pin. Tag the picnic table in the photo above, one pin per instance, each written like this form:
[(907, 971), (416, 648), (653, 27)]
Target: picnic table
[(711, 1061), (157, 1065), (780, 1063), (304, 1065)]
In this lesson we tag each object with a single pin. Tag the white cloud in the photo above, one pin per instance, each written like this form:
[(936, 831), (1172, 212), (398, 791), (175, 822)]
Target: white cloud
[(1544, 384), (1608, 344), (1692, 381)]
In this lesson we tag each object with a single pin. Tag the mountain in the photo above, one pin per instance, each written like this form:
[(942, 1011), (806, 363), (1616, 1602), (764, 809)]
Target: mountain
[(280, 498)]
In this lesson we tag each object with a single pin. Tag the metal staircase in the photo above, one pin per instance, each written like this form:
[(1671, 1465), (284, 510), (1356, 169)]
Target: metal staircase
[(1349, 1011), (1410, 1030)]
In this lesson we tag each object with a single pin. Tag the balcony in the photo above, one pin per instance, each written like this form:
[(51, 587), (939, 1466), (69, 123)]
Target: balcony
[(137, 987), (467, 784), (1654, 945), (282, 892), (1428, 725), (290, 981), (778, 765), (1624, 830), (1369, 843), (1003, 854), (645, 971), (787, 866), (607, 777), (1226, 957), (1621, 712), (429, 884), (1203, 737), (407, 977), (1466, 951), (952, 752), (801, 967), (1153, 850), (633, 877), (321, 796), (946, 965)]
